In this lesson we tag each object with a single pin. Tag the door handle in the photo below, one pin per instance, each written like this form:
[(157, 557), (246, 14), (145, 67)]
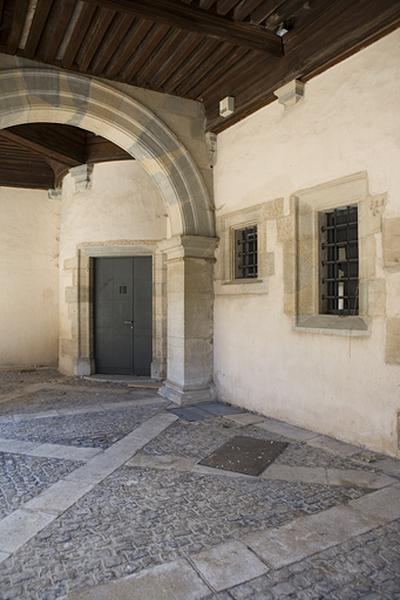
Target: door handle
[(131, 323)]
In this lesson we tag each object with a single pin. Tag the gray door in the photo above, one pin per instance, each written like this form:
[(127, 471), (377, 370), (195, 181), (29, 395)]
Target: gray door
[(123, 315)]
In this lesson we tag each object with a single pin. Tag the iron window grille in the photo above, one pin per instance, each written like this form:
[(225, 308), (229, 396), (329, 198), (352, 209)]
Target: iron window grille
[(246, 257), (339, 261)]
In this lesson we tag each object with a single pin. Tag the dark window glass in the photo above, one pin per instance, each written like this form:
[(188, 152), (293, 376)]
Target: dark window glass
[(339, 261), (246, 252)]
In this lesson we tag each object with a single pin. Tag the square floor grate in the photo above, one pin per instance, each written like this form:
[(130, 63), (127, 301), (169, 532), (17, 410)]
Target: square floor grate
[(247, 455)]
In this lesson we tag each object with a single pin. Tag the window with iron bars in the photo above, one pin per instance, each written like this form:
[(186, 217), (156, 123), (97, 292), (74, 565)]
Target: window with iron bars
[(339, 261), (246, 253)]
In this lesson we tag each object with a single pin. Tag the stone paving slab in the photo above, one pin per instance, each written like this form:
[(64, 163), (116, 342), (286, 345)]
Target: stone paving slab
[(287, 430), (307, 535), (227, 565), (191, 413), (362, 479), (245, 418), (164, 462), (17, 446), (323, 476), (335, 446), (172, 581), (219, 409), (19, 527), (65, 452), (59, 497), (4, 556), (382, 506)]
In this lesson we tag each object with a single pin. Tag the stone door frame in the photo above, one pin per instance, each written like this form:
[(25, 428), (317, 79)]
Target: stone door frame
[(80, 298)]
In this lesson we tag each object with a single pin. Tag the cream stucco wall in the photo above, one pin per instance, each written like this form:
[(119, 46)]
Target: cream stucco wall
[(336, 384), (29, 235), (121, 205)]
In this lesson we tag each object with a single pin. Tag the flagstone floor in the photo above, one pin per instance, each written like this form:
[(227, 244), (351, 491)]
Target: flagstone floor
[(102, 496)]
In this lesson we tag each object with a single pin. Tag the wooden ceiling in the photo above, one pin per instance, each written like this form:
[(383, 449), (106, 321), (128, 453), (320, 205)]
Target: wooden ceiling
[(38, 155), (199, 49)]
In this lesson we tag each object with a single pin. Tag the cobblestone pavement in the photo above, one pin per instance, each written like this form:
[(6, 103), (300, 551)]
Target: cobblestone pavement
[(135, 517), (139, 518), (95, 430), (67, 395), (367, 567), (13, 380), (200, 438), (23, 477)]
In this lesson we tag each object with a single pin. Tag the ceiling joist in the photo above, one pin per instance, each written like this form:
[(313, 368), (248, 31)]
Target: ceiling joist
[(197, 20)]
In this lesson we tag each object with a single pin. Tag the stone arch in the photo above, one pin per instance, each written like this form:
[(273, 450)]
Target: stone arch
[(30, 95)]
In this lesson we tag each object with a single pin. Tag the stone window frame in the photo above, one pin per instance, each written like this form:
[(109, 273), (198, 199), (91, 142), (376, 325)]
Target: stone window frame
[(258, 215), (84, 324), (308, 204)]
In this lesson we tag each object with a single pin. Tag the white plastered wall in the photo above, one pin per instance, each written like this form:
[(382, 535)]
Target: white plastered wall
[(336, 384), (29, 235), (122, 205)]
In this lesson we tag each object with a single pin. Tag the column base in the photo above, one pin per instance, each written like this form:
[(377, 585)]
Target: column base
[(84, 367), (184, 396)]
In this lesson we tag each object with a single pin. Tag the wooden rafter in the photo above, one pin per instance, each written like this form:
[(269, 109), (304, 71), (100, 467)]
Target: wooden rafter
[(197, 20)]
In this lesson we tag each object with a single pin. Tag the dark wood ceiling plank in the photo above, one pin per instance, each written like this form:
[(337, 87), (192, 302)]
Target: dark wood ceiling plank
[(224, 54), (78, 35), (244, 9), (224, 7), (55, 28), (112, 39), (204, 52), (160, 56), (197, 20), (101, 23), (18, 22), (185, 59), (153, 40), (33, 142), (211, 74), (182, 53), (38, 24), (132, 40), (264, 10)]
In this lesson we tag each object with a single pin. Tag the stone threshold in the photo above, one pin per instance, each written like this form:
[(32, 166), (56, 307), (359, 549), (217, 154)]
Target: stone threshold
[(238, 561)]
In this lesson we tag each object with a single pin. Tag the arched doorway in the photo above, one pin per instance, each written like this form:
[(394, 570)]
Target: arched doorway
[(47, 95)]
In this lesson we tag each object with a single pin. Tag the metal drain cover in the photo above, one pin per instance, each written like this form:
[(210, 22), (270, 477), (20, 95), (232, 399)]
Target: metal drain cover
[(246, 455)]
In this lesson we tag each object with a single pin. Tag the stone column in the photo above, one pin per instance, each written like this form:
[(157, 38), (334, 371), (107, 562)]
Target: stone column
[(190, 263)]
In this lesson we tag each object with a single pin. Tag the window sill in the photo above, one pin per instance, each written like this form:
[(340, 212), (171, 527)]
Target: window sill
[(333, 324), (241, 286)]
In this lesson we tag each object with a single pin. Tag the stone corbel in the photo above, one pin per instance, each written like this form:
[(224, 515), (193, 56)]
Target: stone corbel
[(82, 176), (55, 193), (211, 141), (291, 93)]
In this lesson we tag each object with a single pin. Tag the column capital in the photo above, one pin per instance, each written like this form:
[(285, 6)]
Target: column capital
[(189, 246)]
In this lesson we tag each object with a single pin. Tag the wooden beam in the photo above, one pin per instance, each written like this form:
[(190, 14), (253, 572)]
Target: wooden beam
[(18, 22), (33, 142), (177, 14)]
